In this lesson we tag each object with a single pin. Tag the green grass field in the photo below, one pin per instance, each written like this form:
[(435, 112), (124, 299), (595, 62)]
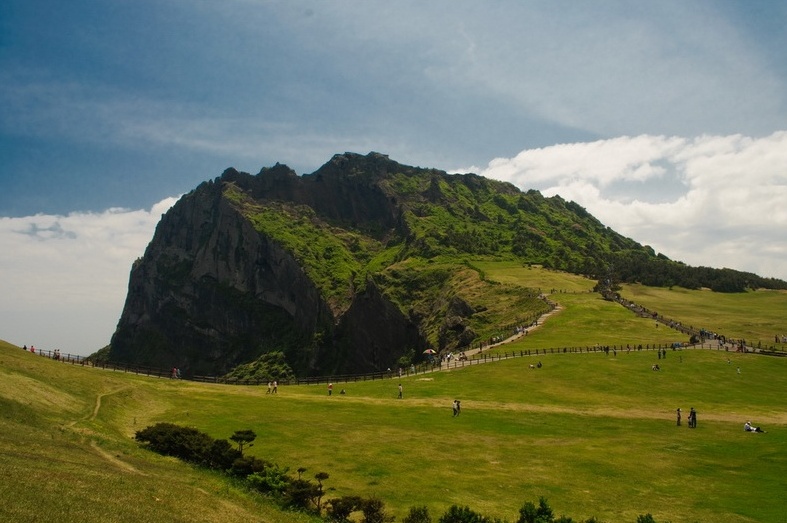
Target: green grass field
[(756, 316), (594, 434)]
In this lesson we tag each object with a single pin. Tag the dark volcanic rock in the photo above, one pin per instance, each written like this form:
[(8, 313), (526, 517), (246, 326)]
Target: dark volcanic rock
[(212, 292)]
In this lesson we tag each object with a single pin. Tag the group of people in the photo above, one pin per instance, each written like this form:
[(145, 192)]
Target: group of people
[(273, 387), (747, 427), (692, 418)]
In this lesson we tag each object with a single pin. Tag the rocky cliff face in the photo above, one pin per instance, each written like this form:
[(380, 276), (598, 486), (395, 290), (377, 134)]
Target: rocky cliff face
[(349, 268), (212, 291)]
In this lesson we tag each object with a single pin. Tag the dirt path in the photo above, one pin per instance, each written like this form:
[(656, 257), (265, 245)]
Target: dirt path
[(113, 460), (446, 365)]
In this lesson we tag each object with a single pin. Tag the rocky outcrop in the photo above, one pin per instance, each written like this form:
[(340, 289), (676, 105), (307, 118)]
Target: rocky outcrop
[(212, 291)]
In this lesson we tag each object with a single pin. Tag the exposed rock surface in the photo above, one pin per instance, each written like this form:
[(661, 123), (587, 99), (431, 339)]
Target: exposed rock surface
[(212, 291)]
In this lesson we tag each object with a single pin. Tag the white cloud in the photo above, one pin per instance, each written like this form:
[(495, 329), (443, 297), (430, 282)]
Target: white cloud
[(65, 277), (717, 201)]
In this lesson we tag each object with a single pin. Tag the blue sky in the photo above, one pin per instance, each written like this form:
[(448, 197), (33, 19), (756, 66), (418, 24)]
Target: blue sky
[(666, 120)]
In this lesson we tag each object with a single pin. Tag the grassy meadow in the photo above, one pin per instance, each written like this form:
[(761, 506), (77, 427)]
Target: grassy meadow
[(594, 434), (586, 320), (756, 316)]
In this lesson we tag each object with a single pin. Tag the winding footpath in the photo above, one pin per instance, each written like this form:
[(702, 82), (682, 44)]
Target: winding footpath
[(446, 365)]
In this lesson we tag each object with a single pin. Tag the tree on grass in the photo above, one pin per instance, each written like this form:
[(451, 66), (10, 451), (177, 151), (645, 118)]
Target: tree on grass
[(319, 492), (243, 438)]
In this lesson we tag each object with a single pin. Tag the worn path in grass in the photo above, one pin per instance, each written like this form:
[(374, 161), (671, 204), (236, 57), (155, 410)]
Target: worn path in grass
[(540, 322), (596, 412), (469, 353)]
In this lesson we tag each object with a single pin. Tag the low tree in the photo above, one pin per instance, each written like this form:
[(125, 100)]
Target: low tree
[(243, 438), (319, 492)]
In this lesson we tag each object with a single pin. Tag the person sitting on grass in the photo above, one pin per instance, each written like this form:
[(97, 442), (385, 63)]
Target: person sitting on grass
[(749, 428)]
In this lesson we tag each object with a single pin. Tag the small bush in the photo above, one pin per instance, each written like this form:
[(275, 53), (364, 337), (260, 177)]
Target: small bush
[(271, 480), (245, 465), (339, 509), (169, 439), (529, 513), (457, 514), (301, 493), (220, 455), (417, 515), (374, 512)]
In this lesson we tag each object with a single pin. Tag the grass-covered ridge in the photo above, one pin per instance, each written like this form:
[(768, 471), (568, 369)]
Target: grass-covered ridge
[(446, 216), (594, 434)]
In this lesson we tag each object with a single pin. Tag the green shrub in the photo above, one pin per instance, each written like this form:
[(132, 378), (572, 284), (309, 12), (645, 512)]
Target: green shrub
[(272, 480), (417, 515), (529, 513), (301, 493), (374, 512), (220, 455), (339, 509), (457, 514), (245, 465), (169, 439)]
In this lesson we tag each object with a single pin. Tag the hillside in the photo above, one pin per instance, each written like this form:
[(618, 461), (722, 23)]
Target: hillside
[(567, 431), (358, 266)]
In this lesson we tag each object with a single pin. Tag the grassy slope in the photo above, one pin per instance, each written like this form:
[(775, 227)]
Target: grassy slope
[(754, 316), (594, 434), (66, 452)]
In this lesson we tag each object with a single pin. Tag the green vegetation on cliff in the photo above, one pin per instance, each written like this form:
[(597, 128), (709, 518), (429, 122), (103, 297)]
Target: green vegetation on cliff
[(351, 267)]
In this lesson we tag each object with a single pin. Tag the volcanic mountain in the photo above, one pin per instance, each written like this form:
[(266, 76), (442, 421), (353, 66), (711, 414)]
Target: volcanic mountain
[(356, 266)]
